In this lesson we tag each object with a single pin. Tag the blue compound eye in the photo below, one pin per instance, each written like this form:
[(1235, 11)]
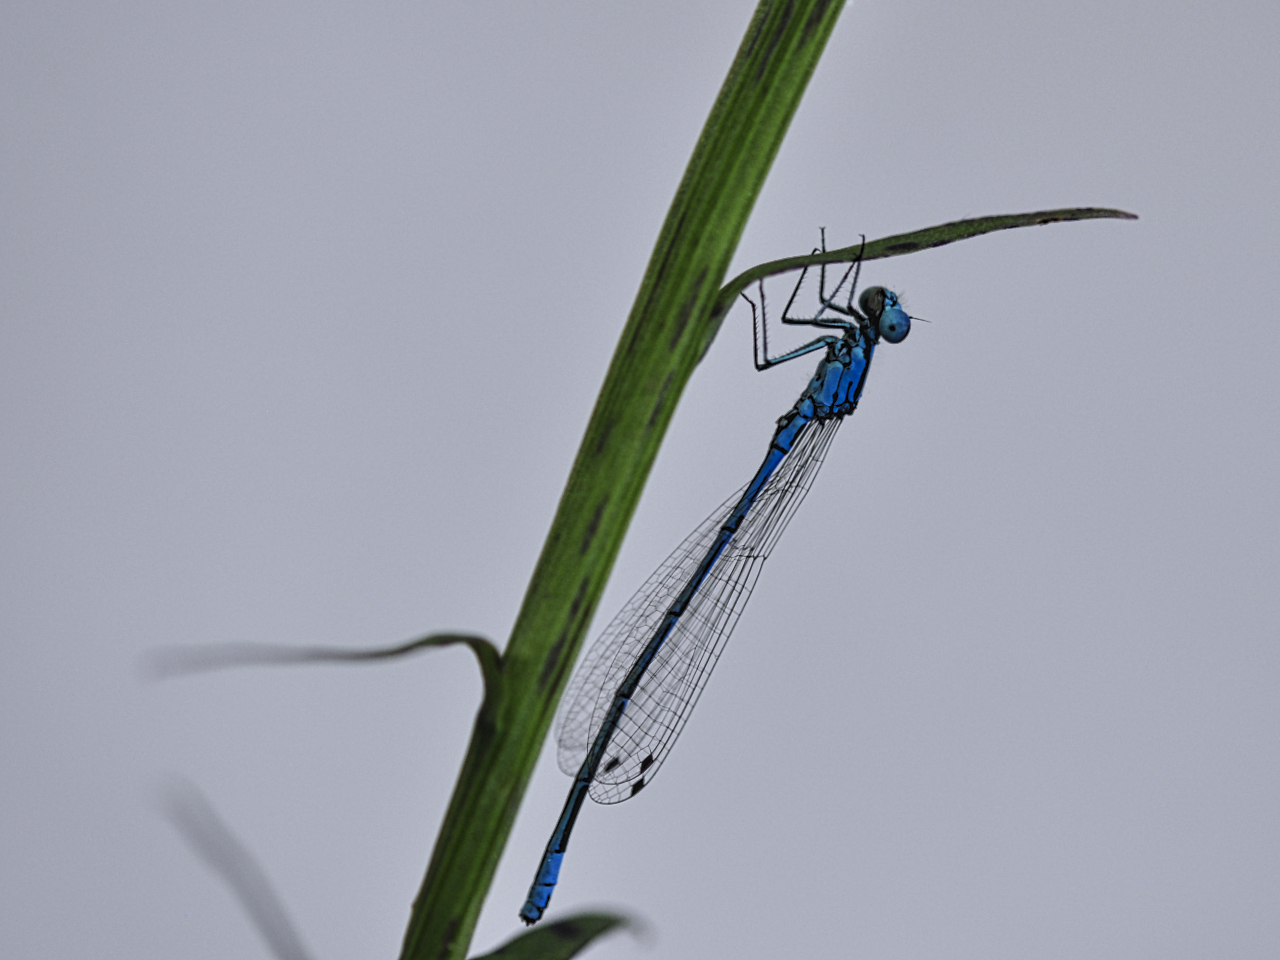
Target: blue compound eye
[(886, 313), (894, 323)]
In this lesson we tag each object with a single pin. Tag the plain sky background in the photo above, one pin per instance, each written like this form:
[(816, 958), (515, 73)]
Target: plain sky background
[(303, 308)]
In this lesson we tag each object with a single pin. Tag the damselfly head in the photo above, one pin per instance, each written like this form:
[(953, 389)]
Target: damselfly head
[(884, 310)]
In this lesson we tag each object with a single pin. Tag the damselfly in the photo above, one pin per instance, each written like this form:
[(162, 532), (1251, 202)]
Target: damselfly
[(633, 692)]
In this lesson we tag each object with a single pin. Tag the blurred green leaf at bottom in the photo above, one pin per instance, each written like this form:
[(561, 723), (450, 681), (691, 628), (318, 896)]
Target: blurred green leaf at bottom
[(559, 940)]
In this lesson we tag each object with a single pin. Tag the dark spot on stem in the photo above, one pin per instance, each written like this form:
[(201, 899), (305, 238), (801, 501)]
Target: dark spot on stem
[(593, 525), (657, 407), (552, 666), (605, 430), (450, 935), (686, 308), (774, 39), (816, 16)]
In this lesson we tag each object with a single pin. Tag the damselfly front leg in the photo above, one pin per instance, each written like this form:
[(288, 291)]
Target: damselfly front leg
[(760, 321), (829, 302)]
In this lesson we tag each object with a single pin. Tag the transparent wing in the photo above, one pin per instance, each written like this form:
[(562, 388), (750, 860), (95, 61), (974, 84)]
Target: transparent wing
[(638, 618), (672, 684)]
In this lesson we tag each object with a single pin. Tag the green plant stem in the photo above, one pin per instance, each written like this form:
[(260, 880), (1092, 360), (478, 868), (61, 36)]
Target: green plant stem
[(660, 346)]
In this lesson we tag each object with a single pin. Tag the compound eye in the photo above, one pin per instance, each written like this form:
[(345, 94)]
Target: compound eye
[(882, 308), (872, 301), (894, 324)]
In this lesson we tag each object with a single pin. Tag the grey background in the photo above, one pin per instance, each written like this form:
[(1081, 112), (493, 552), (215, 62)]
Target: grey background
[(304, 309)]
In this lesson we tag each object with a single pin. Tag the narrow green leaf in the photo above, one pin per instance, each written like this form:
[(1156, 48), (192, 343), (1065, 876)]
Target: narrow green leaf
[(176, 661), (212, 840), (558, 940), (903, 243)]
